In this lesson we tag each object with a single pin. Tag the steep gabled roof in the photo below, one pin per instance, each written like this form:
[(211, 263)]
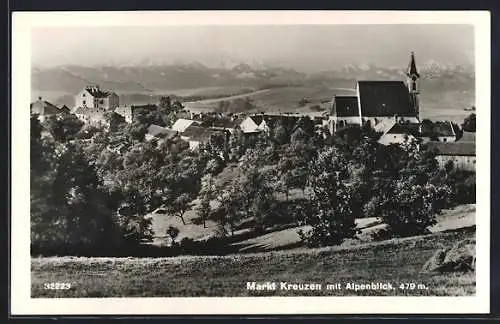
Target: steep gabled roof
[(345, 106), (384, 98), (453, 148)]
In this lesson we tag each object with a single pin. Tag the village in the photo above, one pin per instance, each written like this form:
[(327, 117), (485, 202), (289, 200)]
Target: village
[(390, 108)]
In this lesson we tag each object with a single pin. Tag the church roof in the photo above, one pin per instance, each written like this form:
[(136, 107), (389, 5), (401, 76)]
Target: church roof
[(345, 106), (384, 98)]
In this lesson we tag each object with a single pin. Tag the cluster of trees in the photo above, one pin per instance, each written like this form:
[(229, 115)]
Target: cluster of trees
[(88, 197), (469, 124)]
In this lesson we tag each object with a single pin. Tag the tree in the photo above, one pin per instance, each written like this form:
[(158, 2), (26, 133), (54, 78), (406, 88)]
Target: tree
[(469, 124), (172, 232), (407, 207), (179, 206), (63, 127), (281, 135), (204, 210), (330, 215), (115, 121)]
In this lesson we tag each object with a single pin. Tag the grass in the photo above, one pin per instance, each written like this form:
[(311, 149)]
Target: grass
[(397, 261)]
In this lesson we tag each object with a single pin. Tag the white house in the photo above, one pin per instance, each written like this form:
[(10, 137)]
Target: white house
[(93, 97)]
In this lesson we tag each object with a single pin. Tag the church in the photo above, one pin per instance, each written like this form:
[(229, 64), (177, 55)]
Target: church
[(379, 103)]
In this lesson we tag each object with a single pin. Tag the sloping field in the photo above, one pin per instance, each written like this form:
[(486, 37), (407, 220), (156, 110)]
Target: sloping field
[(283, 99), (452, 219), (396, 262)]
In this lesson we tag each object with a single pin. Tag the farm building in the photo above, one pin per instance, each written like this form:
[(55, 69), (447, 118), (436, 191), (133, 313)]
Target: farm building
[(462, 154), (196, 135)]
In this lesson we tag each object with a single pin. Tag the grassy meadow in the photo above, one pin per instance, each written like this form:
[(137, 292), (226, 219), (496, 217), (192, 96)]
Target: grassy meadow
[(397, 261)]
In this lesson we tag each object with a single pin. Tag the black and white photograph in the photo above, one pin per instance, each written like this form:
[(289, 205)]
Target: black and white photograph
[(267, 155)]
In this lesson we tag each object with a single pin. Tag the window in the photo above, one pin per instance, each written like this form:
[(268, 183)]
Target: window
[(83, 95), (101, 101), (84, 102), (444, 139)]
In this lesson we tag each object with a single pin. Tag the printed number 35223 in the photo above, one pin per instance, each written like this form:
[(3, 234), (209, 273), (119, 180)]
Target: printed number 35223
[(57, 285)]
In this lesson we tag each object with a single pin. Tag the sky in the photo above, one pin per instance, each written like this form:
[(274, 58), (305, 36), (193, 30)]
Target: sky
[(303, 47)]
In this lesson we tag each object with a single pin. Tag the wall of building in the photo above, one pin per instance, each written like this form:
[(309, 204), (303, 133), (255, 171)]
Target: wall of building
[(387, 139), (463, 162), (126, 112), (84, 99), (248, 125)]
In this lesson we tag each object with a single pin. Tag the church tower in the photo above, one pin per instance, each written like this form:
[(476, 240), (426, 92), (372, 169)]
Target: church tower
[(412, 77)]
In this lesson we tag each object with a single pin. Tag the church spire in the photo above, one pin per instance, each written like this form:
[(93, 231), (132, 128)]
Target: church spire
[(412, 67), (412, 81)]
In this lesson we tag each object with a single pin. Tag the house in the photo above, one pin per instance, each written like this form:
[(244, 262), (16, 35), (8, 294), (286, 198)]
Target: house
[(394, 131), (462, 154), (377, 101), (182, 124), (158, 132), (44, 109), (264, 122), (438, 131), (398, 133), (92, 116), (93, 97), (197, 135)]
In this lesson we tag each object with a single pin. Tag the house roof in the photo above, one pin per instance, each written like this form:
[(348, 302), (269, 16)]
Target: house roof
[(384, 125), (453, 148), (384, 98), (345, 106), (43, 107), (405, 128), (96, 92), (158, 131), (198, 133), (182, 124), (443, 129)]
